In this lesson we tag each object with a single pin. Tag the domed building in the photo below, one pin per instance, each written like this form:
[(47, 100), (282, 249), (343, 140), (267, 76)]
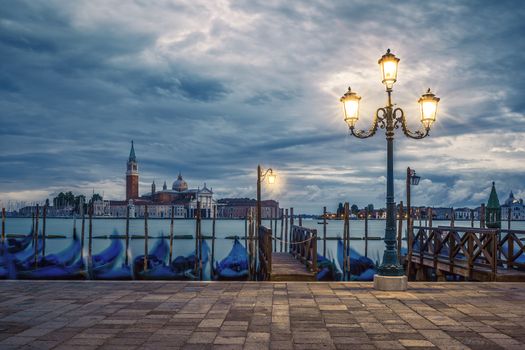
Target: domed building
[(182, 199)]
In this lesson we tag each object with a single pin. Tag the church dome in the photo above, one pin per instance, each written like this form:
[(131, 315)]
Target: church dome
[(179, 184)]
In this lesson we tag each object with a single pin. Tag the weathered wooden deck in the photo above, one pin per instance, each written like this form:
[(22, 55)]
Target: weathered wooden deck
[(259, 315), (287, 268)]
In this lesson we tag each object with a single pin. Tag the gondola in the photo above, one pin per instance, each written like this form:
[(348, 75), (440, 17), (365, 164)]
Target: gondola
[(234, 266), (359, 265), (7, 266), (15, 245), (156, 258), (327, 270), (52, 266)]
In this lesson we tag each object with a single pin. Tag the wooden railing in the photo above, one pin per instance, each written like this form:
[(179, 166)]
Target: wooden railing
[(512, 249), (303, 246), (457, 250), (264, 240)]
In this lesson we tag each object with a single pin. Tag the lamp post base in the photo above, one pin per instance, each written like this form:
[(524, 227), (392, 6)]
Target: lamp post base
[(390, 283)]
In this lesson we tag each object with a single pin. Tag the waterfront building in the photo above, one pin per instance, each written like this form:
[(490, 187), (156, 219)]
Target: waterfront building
[(516, 207), (239, 208), (464, 214), (160, 202)]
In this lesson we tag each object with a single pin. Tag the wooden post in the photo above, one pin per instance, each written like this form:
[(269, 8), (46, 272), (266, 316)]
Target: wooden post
[(324, 232), (36, 235), (482, 216), (285, 229), (452, 217), (400, 231), (282, 230), (300, 221), (33, 226), (274, 233), (3, 225), (82, 234), (200, 241), (90, 241), (250, 245), (346, 242), (509, 217), (213, 239), (171, 233), (471, 217), (291, 224), (126, 256), (246, 231), (146, 237), (430, 216), (44, 216), (366, 232)]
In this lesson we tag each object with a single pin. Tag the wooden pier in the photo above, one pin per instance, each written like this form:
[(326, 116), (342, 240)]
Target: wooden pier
[(298, 264), (476, 254)]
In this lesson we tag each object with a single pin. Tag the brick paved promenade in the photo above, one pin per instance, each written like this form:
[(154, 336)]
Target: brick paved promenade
[(158, 315)]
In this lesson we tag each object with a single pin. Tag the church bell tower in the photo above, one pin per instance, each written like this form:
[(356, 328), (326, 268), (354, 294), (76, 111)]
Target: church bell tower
[(132, 176)]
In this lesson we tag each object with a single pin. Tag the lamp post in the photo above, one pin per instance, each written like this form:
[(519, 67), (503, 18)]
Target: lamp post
[(390, 274), (260, 178), (412, 179)]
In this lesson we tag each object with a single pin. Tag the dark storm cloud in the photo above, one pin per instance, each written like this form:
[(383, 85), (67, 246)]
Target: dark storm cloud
[(213, 89)]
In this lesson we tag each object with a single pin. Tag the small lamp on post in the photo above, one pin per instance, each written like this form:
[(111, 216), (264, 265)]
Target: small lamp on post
[(268, 173)]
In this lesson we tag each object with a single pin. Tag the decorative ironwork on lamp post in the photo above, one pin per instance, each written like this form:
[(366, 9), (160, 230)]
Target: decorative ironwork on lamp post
[(390, 118), (260, 178)]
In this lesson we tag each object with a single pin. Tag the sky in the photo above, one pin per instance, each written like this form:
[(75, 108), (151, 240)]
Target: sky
[(213, 88)]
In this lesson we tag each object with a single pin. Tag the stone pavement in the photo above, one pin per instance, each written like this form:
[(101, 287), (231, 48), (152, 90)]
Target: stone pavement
[(299, 315)]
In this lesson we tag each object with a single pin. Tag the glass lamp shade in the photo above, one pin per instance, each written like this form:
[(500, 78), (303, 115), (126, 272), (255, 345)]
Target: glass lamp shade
[(271, 178), (388, 63), (350, 102), (415, 180), (428, 108)]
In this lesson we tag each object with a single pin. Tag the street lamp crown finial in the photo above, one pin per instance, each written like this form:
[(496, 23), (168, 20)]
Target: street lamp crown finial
[(387, 50), (428, 91)]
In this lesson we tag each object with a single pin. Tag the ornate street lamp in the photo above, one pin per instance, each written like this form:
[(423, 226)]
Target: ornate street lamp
[(390, 274), (260, 178)]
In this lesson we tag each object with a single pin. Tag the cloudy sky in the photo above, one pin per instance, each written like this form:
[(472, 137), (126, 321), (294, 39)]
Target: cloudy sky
[(212, 88)]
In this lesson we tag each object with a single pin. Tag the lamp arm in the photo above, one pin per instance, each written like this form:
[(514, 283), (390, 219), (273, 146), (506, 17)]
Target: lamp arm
[(379, 121), (399, 117), (263, 176)]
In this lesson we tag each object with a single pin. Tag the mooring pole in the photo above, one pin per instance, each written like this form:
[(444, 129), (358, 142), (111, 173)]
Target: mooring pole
[(246, 230), (82, 235), (44, 216), (291, 224), (400, 231), (145, 237), (366, 232), (36, 235), (200, 241), (3, 225), (285, 228), (346, 243), (471, 217), (171, 233), (90, 241), (213, 240), (324, 232), (481, 216), (126, 258), (452, 217), (282, 230)]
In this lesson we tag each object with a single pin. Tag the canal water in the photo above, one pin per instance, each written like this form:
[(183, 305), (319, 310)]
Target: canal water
[(224, 228)]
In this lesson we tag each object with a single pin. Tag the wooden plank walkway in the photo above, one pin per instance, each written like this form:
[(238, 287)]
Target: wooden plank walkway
[(267, 315), (286, 268)]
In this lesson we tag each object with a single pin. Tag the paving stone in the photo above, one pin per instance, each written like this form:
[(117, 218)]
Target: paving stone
[(223, 315)]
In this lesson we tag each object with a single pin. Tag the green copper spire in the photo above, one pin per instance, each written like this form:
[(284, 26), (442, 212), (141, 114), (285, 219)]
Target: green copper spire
[(493, 211), (493, 198), (132, 157)]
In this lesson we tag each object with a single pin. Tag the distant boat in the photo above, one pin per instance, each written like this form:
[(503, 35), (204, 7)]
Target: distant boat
[(235, 265)]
